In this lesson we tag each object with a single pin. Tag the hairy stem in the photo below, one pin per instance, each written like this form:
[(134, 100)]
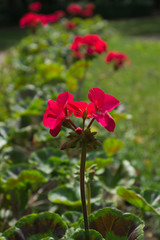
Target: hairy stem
[(82, 185)]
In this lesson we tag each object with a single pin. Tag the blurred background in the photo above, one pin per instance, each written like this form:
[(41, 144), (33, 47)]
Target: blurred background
[(12, 10)]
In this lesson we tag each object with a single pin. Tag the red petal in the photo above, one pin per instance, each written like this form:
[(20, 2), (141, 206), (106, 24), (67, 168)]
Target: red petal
[(96, 95), (53, 107), (109, 103), (62, 99), (58, 124), (105, 120), (78, 108)]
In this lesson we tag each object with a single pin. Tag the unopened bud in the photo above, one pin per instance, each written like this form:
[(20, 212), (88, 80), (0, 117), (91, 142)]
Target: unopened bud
[(78, 130)]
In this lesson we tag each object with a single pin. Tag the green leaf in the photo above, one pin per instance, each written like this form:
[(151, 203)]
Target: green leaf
[(100, 162), (136, 200), (112, 224), (48, 161), (14, 154), (65, 195), (25, 178), (37, 226), (89, 235), (123, 176), (72, 217), (112, 145)]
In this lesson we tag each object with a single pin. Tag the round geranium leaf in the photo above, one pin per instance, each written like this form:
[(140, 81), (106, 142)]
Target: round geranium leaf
[(89, 235), (72, 217), (65, 195), (136, 199), (37, 226), (112, 224)]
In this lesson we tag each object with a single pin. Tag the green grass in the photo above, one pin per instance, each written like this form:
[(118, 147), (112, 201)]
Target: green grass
[(138, 27)]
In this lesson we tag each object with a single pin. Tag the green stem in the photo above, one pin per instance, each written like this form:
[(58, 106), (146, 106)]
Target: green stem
[(88, 198), (82, 185)]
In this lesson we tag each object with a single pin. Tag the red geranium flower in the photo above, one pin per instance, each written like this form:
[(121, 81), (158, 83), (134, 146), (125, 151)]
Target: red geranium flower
[(57, 112), (36, 6), (60, 13), (90, 43), (74, 9), (82, 109), (87, 12), (32, 20), (70, 25), (103, 103), (54, 17), (118, 58)]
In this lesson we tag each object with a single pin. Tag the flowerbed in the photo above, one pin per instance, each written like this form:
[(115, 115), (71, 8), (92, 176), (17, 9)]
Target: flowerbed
[(37, 175)]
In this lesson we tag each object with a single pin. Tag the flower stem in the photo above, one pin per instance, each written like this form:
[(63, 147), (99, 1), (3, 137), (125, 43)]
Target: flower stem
[(72, 123), (89, 125), (88, 197), (82, 185)]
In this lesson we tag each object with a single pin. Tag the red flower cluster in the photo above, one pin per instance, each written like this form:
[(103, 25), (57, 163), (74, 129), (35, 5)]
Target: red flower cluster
[(88, 45), (59, 112), (118, 58), (55, 17), (76, 9), (32, 20), (70, 25), (35, 7)]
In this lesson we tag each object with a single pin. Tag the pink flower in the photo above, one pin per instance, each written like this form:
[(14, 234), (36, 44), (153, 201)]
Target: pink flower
[(118, 58), (56, 113), (74, 9), (70, 25), (35, 7), (32, 20), (88, 45), (104, 103), (82, 109)]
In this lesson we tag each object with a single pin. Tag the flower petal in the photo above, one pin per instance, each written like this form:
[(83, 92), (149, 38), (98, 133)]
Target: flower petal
[(54, 107), (57, 127), (105, 120), (109, 103), (96, 95), (62, 99), (49, 119), (110, 122)]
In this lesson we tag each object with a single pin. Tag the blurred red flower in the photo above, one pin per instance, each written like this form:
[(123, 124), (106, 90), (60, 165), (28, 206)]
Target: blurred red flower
[(70, 25), (35, 7), (32, 20), (88, 45), (90, 6), (74, 9), (118, 58), (86, 12)]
